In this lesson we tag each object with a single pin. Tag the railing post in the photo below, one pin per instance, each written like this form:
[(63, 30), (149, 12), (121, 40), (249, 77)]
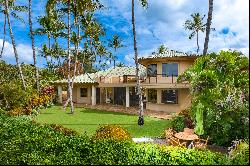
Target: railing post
[(172, 78), (156, 78)]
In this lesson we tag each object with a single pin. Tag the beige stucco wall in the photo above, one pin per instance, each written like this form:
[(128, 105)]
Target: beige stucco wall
[(183, 102), (182, 66), (76, 94)]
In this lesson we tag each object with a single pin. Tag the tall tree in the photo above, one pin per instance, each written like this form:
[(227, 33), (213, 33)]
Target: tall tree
[(2, 10), (23, 8), (195, 26), (77, 5), (144, 3), (33, 44), (115, 43), (209, 21)]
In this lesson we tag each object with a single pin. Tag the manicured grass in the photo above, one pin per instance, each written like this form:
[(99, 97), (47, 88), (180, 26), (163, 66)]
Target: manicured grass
[(88, 120)]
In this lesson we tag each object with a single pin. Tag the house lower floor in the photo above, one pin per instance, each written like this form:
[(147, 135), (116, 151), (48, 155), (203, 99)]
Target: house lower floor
[(169, 100)]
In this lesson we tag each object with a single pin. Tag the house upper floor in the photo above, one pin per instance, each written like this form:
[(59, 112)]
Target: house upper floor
[(165, 68), (156, 70)]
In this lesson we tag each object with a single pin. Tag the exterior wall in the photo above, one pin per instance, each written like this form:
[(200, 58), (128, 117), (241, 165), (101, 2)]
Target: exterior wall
[(76, 94), (183, 102), (182, 66)]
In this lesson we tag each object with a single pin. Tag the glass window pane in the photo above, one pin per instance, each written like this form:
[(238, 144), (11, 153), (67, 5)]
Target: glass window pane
[(169, 69), (169, 96), (152, 70), (83, 92), (152, 95)]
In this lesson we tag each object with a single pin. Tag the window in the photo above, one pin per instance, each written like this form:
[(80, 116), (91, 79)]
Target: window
[(169, 69), (169, 96), (83, 92), (152, 95), (152, 70)]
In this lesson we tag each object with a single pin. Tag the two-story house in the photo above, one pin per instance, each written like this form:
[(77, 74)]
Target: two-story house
[(116, 86), (162, 90)]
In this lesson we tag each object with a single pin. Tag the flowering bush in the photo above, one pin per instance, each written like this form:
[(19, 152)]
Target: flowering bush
[(111, 132)]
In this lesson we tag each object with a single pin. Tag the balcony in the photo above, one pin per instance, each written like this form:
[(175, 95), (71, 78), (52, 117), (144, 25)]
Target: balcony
[(160, 78), (118, 79)]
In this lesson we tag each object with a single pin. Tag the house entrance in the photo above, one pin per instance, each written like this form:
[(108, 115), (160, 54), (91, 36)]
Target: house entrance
[(97, 95), (133, 98)]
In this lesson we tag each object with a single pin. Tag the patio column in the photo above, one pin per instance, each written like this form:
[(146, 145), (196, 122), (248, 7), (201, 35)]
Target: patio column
[(158, 96), (127, 96), (93, 97), (59, 93), (106, 95)]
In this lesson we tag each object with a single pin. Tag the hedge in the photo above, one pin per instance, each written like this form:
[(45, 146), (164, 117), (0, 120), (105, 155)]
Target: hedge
[(25, 142)]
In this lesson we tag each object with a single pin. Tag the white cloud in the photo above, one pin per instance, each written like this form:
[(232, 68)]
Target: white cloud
[(24, 51), (162, 23)]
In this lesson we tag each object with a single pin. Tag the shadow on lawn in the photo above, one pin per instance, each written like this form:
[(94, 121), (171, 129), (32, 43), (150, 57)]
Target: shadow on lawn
[(94, 111)]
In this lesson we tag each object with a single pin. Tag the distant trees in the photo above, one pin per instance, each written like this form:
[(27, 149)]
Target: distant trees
[(195, 25), (162, 49), (115, 43)]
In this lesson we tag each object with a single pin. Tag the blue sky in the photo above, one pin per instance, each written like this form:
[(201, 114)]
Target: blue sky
[(161, 23)]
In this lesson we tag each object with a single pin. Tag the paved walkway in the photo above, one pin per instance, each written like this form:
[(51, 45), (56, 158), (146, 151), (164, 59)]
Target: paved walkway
[(130, 110)]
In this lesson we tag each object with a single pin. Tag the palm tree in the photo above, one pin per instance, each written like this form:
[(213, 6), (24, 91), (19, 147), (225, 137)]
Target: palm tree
[(195, 26), (209, 20), (77, 6), (162, 49), (144, 3), (4, 26), (47, 29), (33, 44), (115, 43), (20, 8)]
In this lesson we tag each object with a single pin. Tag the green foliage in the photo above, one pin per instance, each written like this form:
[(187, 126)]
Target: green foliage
[(240, 154), (25, 142), (177, 123), (14, 98), (114, 132), (63, 129), (220, 83)]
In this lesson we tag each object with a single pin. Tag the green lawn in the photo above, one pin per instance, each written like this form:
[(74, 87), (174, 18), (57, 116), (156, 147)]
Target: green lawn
[(88, 120)]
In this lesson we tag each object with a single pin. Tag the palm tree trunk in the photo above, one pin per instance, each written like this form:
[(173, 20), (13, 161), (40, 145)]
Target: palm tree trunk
[(4, 35), (33, 45), (208, 28), (14, 45), (70, 97), (197, 42), (141, 119), (77, 52)]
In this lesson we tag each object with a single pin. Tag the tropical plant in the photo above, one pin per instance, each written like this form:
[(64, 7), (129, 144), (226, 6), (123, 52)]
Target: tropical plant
[(10, 7), (220, 96), (195, 26), (208, 24), (115, 43), (162, 49), (144, 4)]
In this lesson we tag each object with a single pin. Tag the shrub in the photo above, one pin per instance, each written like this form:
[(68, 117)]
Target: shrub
[(63, 129), (115, 132), (23, 141), (220, 96), (240, 153), (177, 123)]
